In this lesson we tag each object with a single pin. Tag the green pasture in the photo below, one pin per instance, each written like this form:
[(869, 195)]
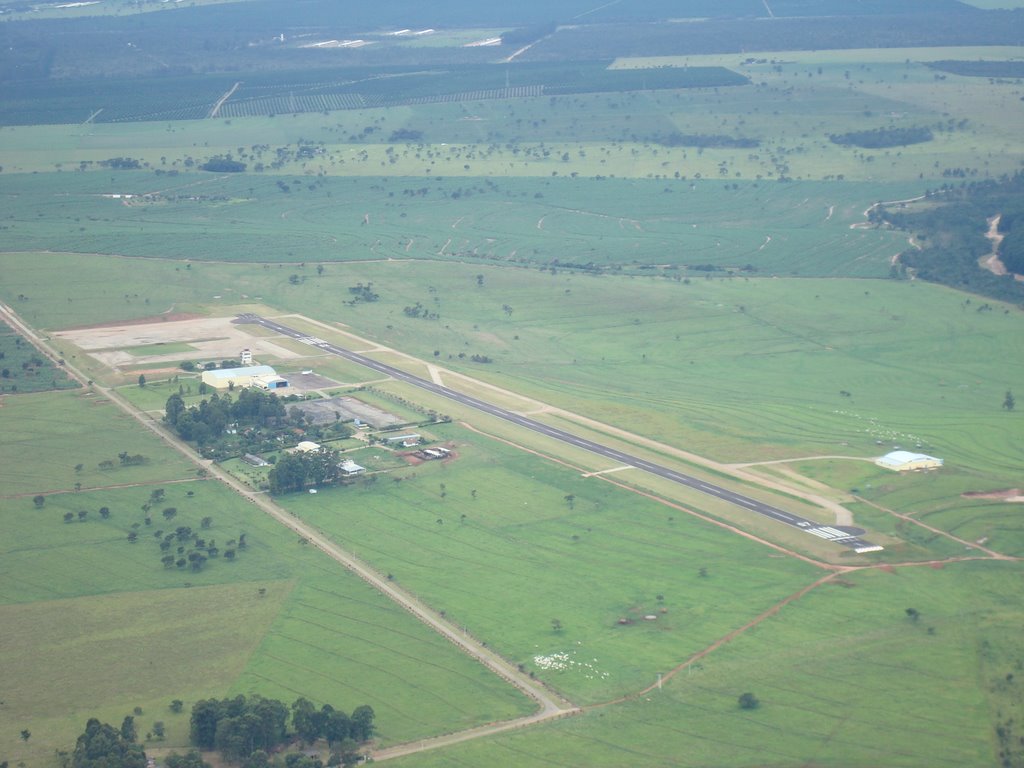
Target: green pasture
[(66, 660), (844, 677), (355, 646), (46, 436), (800, 228), (491, 539)]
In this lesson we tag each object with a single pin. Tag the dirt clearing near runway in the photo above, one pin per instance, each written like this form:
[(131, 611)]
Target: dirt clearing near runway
[(207, 338)]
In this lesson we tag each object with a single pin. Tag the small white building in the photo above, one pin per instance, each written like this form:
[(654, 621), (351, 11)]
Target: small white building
[(349, 468), (905, 461), (307, 446), (246, 357)]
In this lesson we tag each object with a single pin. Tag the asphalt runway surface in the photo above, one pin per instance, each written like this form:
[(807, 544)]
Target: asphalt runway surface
[(846, 538)]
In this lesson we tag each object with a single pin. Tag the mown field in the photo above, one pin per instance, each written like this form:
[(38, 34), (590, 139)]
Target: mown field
[(507, 543), (129, 632), (843, 677)]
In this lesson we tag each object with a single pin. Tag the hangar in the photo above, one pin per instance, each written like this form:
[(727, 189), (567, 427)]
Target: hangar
[(905, 461), (262, 376)]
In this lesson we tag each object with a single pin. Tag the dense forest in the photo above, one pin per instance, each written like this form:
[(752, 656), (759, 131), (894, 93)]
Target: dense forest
[(952, 236)]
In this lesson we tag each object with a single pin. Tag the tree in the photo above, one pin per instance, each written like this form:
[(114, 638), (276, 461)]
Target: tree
[(191, 759), (176, 706), (26, 735), (304, 720), (1009, 402), (104, 512), (913, 614), (69, 516), (158, 729), (128, 728), (570, 499), (362, 723), (102, 746), (39, 501), (748, 701), (556, 625), (82, 514), (142, 379)]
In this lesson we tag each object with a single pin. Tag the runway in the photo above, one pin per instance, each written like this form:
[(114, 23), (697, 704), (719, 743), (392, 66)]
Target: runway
[(838, 535)]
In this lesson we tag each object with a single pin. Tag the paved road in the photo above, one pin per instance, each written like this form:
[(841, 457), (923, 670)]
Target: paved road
[(837, 535)]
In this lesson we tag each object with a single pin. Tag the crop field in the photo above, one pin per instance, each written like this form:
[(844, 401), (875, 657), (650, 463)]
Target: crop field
[(800, 228), (111, 100), (843, 676)]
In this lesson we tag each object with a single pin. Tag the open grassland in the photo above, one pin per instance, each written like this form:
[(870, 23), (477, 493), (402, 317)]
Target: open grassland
[(66, 559), (506, 544), (843, 675), (47, 436), (105, 655)]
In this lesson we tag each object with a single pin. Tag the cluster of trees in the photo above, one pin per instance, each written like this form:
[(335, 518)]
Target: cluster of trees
[(103, 746), (242, 727), (707, 141), (296, 471), (207, 421), (881, 138), (121, 163), (223, 164), (953, 238), (362, 292)]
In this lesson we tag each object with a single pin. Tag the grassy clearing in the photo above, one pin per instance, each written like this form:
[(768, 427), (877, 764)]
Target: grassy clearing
[(46, 436), (23, 369), (117, 652), (493, 540), (843, 677)]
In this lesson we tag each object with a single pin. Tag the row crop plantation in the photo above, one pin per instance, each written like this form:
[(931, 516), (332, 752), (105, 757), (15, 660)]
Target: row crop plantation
[(190, 98)]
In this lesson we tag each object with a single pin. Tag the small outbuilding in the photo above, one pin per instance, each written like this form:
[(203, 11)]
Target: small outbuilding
[(307, 446), (905, 461)]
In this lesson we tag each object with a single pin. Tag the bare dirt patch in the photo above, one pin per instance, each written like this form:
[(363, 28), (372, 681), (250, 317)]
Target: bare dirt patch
[(1012, 495), (213, 338)]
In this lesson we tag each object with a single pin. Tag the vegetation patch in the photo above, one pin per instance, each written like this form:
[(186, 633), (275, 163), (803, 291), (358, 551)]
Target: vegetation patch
[(24, 369), (880, 138)]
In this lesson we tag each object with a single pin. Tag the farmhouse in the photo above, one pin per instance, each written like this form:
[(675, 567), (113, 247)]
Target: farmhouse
[(905, 461), (262, 376), (349, 468)]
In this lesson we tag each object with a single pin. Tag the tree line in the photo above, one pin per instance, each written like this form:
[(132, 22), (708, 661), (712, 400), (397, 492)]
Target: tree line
[(241, 727)]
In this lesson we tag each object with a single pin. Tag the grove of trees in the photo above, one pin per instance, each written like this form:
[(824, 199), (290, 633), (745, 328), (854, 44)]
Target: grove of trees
[(241, 727)]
